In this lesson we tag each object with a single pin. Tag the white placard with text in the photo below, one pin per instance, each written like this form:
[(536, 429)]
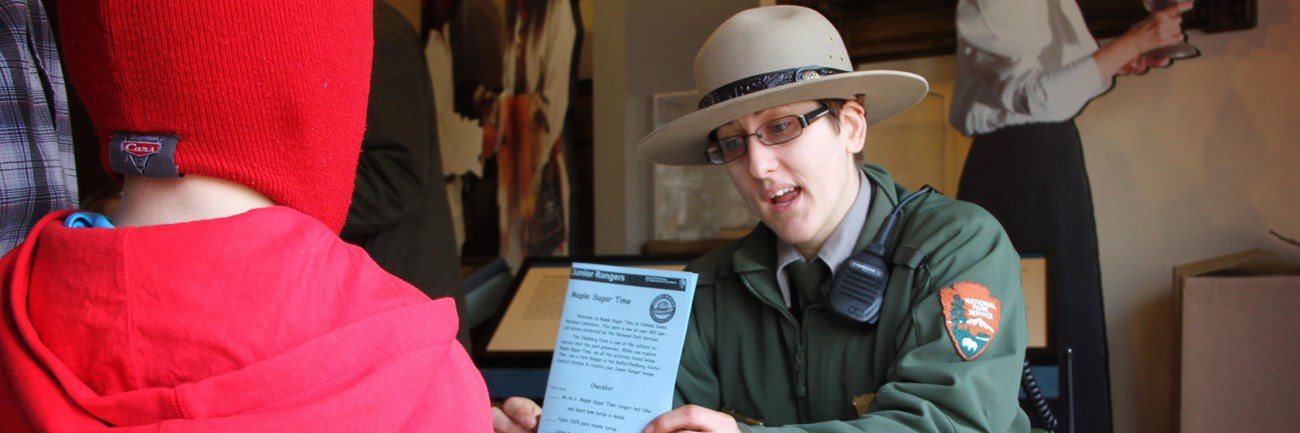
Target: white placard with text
[(616, 354)]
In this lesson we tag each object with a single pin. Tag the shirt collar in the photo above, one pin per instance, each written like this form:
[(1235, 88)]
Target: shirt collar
[(838, 247)]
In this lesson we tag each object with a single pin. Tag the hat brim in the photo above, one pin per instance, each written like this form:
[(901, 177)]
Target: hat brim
[(683, 141)]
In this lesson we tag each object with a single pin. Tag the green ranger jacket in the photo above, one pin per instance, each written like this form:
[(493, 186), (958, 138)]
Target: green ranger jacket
[(945, 355)]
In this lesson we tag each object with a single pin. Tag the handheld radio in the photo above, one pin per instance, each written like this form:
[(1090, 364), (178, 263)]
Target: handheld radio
[(858, 288)]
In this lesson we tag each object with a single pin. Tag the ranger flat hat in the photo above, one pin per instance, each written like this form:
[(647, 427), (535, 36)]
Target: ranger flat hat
[(770, 56)]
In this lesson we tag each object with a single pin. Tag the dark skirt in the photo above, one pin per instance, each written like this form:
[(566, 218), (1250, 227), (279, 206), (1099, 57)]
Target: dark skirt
[(1032, 179)]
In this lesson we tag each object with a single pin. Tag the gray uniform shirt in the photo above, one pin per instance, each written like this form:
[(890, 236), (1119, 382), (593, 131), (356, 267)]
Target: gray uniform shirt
[(837, 248)]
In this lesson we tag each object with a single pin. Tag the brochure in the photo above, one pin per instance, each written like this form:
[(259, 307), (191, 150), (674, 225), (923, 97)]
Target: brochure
[(616, 353)]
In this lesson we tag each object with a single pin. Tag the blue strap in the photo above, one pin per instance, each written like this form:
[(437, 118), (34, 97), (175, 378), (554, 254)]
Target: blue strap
[(81, 220)]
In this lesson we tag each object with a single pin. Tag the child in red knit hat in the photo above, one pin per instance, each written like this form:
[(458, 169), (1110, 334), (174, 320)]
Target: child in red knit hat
[(220, 298)]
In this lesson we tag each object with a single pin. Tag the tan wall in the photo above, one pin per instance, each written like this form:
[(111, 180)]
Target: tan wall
[(1190, 162), (1196, 161), (1186, 163), (640, 49)]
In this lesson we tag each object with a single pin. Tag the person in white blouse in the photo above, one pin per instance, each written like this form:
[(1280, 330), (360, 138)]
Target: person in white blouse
[(1025, 68), (1029, 61)]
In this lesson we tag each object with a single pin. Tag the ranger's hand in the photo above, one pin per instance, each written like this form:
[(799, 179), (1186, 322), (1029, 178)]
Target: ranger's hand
[(692, 418)]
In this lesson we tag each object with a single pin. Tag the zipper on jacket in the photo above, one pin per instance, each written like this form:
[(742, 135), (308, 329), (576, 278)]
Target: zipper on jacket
[(801, 369), (800, 353)]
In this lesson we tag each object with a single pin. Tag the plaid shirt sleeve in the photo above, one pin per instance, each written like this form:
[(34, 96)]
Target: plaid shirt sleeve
[(37, 167)]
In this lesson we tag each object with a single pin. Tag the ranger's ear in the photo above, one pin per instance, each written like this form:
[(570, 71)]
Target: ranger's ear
[(853, 124)]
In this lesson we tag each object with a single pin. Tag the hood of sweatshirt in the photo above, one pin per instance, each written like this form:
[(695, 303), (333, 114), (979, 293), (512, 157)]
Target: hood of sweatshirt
[(263, 320)]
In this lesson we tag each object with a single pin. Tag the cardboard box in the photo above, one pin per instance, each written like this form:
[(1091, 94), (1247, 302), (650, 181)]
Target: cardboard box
[(1240, 345)]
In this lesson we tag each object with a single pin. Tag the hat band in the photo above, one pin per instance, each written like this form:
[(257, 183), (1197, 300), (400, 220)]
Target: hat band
[(745, 86)]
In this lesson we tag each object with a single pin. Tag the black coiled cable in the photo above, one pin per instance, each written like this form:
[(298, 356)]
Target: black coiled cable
[(1030, 385)]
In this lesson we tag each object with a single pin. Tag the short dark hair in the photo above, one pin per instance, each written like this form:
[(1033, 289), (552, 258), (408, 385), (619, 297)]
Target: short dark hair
[(836, 106)]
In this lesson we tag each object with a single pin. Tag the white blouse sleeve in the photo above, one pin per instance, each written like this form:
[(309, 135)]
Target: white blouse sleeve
[(1022, 61)]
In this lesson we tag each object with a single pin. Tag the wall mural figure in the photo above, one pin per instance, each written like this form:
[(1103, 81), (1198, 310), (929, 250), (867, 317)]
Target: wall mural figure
[(507, 70)]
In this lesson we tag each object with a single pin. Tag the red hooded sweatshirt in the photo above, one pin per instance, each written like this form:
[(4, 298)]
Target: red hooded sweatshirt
[(260, 322)]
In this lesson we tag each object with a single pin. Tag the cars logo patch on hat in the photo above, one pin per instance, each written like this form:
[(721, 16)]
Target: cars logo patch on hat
[(972, 316), (151, 155)]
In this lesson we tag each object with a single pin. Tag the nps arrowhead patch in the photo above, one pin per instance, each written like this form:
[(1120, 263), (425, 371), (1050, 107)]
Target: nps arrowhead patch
[(972, 316)]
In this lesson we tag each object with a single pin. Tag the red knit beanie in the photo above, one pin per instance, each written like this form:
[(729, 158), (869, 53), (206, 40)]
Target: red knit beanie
[(268, 94)]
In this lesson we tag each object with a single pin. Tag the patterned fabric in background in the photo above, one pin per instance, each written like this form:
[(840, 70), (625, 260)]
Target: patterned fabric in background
[(37, 168)]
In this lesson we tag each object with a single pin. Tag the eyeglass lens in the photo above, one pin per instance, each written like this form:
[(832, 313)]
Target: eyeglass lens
[(776, 131)]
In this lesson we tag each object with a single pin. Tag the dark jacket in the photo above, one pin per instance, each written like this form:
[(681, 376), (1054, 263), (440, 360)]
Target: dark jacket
[(745, 352), (399, 212)]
